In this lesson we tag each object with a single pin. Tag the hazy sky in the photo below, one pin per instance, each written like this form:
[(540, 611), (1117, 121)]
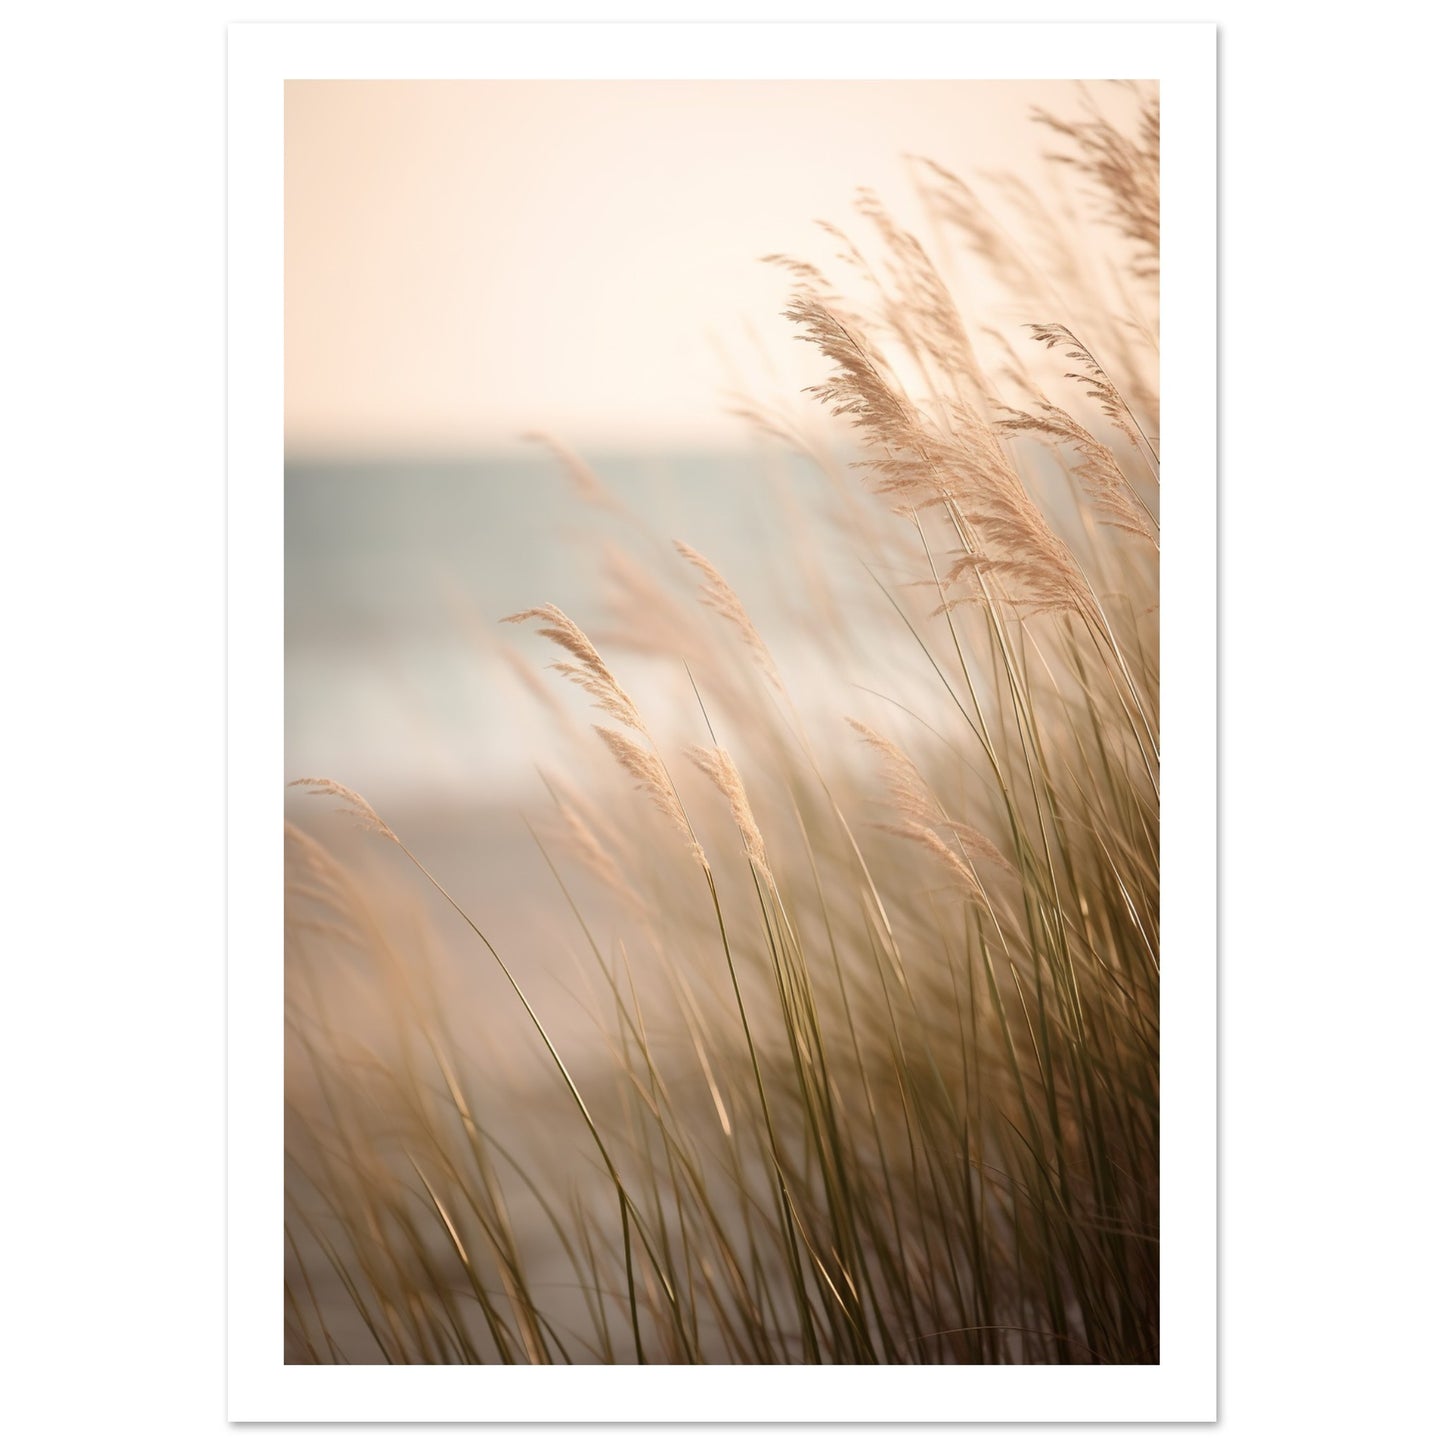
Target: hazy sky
[(468, 260)]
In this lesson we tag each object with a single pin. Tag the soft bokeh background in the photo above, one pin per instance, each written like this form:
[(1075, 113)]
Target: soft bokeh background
[(466, 260), (470, 261)]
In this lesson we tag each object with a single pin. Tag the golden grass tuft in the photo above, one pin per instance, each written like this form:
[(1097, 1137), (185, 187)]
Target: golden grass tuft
[(356, 806), (646, 770), (716, 765), (588, 670), (717, 595)]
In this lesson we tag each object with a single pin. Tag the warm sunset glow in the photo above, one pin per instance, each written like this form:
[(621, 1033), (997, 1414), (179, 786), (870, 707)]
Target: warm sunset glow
[(469, 260)]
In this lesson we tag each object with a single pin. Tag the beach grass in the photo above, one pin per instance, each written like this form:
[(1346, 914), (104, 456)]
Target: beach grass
[(876, 994)]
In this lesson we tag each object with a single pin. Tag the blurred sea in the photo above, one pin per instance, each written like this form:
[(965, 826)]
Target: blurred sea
[(397, 573)]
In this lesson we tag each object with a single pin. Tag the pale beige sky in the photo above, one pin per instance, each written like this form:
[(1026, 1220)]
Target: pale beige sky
[(469, 260)]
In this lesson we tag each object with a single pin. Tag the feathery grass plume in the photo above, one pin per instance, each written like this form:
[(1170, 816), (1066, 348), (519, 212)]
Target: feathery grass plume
[(922, 312), (589, 485), (717, 595), (588, 671), (720, 768), (858, 389), (647, 771), (1051, 274), (915, 801), (906, 787), (356, 805), (1124, 173), (960, 870), (1097, 468), (965, 471), (1093, 378)]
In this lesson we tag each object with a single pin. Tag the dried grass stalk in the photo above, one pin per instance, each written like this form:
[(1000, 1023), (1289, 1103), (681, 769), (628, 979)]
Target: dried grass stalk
[(915, 801), (717, 595), (356, 805), (646, 769), (720, 768), (588, 670)]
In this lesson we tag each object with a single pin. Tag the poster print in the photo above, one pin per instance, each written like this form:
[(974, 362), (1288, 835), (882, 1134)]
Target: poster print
[(722, 721)]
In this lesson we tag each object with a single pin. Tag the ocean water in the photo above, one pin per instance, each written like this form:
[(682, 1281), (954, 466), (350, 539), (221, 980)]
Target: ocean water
[(398, 573)]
